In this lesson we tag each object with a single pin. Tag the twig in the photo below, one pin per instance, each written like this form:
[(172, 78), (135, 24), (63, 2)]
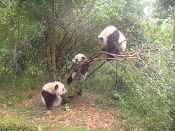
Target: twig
[(97, 68), (123, 41)]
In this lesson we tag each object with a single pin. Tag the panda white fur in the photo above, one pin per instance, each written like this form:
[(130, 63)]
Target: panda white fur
[(77, 60), (112, 40), (51, 94)]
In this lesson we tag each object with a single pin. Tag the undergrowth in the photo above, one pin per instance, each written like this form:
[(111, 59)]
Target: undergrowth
[(146, 102)]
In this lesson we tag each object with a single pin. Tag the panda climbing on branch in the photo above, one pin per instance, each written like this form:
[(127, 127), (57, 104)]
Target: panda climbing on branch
[(112, 40), (76, 61)]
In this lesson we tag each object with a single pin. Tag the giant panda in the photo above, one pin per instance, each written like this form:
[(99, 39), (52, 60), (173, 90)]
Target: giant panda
[(76, 61), (112, 40), (51, 94)]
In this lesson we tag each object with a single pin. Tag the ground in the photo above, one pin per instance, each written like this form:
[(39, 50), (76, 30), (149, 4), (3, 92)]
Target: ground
[(89, 111)]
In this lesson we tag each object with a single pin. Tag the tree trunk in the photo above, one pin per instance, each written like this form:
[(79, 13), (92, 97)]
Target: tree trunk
[(174, 34), (16, 64), (53, 55)]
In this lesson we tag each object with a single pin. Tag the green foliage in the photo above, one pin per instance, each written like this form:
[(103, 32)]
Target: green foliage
[(150, 105), (11, 100), (8, 123), (49, 33), (76, 23), (103, 79)]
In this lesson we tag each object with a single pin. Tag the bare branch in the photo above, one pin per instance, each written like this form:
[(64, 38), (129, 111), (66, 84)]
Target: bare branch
[(97, 68), (95, 57)]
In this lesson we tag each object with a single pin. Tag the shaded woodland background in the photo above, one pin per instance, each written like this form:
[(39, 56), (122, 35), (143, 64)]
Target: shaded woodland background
[(39, 38)]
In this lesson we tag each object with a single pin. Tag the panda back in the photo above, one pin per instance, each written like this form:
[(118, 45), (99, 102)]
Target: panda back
[(106, 32)]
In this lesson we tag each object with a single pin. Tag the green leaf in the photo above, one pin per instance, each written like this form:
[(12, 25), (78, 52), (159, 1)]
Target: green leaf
[(67, 107)]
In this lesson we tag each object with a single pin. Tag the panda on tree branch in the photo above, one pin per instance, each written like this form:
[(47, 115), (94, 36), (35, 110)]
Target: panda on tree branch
[(112, 40), (78, 59), (78, 69)]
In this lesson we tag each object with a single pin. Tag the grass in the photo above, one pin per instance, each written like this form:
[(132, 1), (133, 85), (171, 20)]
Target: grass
[(88, 112)]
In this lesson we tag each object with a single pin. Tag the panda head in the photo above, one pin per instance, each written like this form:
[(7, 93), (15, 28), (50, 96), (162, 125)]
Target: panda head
[(59, 88), (103, 36), (56, 88), (78, 58)]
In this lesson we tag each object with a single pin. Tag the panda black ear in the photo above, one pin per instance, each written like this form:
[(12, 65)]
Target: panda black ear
[(101, 38), (83, 58), (56, 87)]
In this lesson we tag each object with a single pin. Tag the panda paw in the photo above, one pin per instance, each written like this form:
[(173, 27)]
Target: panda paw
[(103, 49), (79, 93)]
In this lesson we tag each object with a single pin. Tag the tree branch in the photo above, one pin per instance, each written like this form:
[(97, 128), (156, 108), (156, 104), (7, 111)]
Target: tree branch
[(94, 58)]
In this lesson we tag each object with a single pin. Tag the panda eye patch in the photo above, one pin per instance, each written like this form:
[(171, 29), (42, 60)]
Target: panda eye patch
[(56, 87)]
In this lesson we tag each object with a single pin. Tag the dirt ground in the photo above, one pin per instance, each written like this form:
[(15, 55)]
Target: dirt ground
[(89, 111)]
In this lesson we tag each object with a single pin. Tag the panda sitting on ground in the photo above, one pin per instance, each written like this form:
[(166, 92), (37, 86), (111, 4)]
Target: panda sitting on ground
[(112, 40), (76, 61), (51, 94)]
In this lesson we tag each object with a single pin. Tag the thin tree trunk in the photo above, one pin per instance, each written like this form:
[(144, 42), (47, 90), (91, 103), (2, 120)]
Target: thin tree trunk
[(15, 61), (174, 34), (53, 42)]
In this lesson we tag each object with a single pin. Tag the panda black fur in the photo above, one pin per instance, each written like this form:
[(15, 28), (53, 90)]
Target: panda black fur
[(76, 61), (51, 94), (112, 40)]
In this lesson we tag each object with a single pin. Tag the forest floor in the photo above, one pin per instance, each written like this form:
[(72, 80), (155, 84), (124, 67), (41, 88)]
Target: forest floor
[(87, 112)]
